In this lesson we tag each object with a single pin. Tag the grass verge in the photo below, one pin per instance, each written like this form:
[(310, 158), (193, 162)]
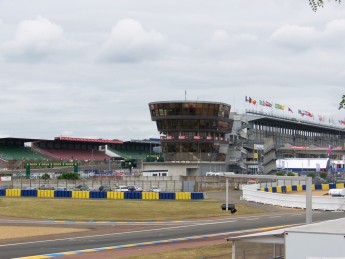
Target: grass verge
[(114, 210)]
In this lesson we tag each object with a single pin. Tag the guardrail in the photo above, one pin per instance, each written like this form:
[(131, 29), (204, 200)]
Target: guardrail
[(103, 195), (253, 193)]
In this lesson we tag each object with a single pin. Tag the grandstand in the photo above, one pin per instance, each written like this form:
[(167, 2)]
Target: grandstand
[(15, 152), (259, 139)]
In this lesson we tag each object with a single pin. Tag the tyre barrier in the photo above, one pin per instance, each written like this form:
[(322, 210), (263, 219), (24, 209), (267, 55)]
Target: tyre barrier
[(290, 188), (103, 195)]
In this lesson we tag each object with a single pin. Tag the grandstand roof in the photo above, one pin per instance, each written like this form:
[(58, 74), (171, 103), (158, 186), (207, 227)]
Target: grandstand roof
[(17, 141), (256, 115), (102, 141)]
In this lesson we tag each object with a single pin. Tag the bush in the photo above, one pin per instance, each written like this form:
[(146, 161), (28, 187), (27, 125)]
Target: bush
[(68, 176), (312, 175), (280, 173), (45, 176), (323, 175)]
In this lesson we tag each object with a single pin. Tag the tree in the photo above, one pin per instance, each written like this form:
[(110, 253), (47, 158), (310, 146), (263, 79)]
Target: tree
[(342, 103), (68, 176), (315, 4), (45, 176)]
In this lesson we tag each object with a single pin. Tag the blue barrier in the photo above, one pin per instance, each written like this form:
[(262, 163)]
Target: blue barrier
[(294, 187), (2, 192), (63, 194), (318, 187), (266, 189), (304, 187), (133, 195), (167, 196), (98, 195), (284, 189), (274, 189), (332, 186), (197, 196), (29, 193)]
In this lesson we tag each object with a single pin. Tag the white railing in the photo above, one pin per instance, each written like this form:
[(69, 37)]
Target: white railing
[(251, 193)]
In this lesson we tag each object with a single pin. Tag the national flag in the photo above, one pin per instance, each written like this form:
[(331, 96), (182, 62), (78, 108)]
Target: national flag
[(290, 110), (250, 100), (268, 104), (329, 150), (342, 122), (278, 106)]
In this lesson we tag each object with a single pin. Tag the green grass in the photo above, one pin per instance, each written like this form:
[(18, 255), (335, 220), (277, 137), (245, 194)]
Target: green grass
[(114, 210)]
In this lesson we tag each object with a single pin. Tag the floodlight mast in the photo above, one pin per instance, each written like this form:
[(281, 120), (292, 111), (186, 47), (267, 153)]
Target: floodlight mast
[(308, 180)]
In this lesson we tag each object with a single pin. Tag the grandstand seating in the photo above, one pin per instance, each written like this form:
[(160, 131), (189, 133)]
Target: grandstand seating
[(68, 154), (19, 153)]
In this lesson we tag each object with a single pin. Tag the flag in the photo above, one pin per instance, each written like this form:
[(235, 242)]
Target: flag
[(342, 122), (329, 150), (268, 104), (278, 106), (250, 100), (265, 103), (290, 110)]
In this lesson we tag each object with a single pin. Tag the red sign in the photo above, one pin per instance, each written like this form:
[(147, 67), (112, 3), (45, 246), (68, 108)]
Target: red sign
[(209, 138), (299, 147), (197, 137), (170, 137), (182, 137)]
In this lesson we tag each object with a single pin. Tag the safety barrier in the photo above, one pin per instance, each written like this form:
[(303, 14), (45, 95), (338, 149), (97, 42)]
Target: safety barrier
[(253, 193), (103, 195), (291, 188)]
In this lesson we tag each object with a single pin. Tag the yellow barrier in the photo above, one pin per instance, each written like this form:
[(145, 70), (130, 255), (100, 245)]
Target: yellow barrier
[(279, 189), (183, 195), (262, 189), (150, 196), (269, 189), (13, 192), (313, 187), (325, 186), (80, 194), (45, 193), (288, 188), (116, 195), (340, 185), (299, 188)]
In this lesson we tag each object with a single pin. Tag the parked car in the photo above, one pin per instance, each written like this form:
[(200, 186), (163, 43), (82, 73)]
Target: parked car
[(154, 189), (5, 187), (134, 188), (46, 187), (121, 188), (105, 188), (61, 189), (82, 187)]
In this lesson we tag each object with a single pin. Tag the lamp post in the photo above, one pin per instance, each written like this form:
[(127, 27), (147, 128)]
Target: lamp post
[(92, 159)]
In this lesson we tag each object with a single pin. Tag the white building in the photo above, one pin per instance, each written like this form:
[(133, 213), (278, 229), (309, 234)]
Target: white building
[(323, 240)]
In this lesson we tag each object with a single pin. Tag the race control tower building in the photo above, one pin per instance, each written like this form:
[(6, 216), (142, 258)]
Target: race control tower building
[(193, 131)]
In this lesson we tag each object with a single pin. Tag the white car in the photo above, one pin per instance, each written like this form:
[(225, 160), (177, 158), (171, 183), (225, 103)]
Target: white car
[(154, 189), (121, 188)]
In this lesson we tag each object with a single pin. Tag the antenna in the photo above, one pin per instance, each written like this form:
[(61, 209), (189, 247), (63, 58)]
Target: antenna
[(185, 95)]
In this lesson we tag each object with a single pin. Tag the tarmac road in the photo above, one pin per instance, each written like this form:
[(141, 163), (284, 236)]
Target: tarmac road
[(157, 233), (111, 234)]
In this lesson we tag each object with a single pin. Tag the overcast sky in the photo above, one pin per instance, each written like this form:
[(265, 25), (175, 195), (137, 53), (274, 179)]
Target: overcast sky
[(87, 68)]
